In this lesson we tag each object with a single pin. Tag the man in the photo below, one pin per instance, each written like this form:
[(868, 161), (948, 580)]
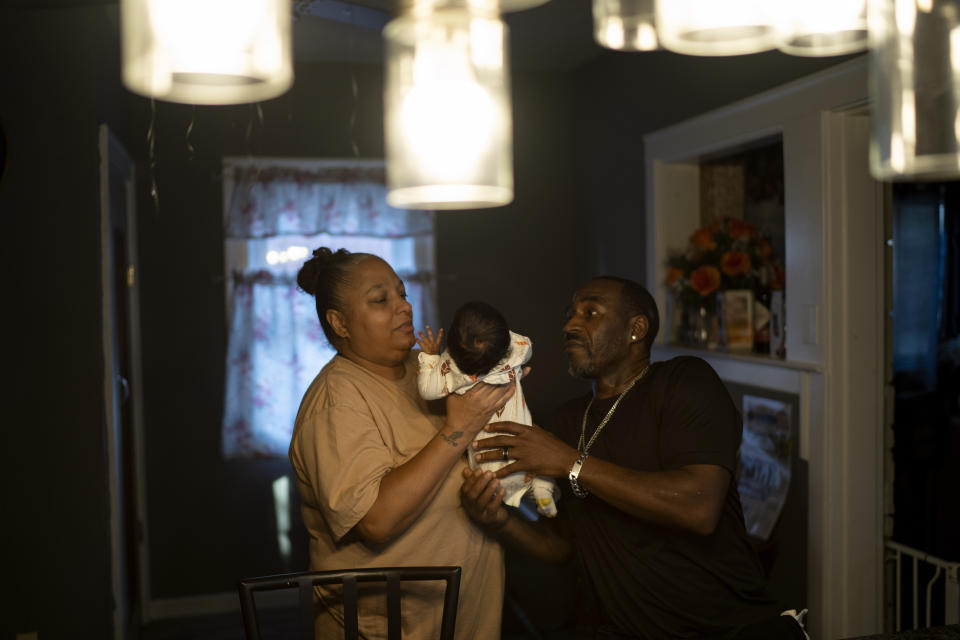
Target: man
[(652, 512)]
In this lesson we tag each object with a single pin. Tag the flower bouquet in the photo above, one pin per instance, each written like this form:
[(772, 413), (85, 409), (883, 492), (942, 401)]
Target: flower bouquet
[(727, 255)]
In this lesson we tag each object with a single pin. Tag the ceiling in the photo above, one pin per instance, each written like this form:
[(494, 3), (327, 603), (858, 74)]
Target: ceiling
[(554, 36), (551, 37)]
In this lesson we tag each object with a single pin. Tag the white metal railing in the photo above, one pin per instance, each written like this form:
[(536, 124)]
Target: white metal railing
[(951, 586)]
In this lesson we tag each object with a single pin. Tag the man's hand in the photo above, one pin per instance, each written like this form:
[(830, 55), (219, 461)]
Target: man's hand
[(529, 448), (482, 498), (428, 343)]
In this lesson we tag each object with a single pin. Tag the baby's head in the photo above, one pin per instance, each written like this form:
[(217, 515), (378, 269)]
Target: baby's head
[(478, 338)]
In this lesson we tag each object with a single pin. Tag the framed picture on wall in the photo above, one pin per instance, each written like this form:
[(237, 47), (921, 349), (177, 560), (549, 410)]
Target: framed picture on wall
[(766, 455)]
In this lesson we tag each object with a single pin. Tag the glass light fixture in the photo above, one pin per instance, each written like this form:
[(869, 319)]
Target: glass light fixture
[(625, 25), (915, 84), (822, 27), (448, 123), (207, 51), (715, 28)]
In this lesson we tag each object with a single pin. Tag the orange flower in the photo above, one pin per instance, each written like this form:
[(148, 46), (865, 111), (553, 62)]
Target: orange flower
[(740, 229), (673, 274), (705, 280), (765, 250), (735, 262), (703, 240)]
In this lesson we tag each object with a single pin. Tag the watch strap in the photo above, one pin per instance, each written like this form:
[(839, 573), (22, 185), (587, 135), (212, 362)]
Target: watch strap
[(574, 476)]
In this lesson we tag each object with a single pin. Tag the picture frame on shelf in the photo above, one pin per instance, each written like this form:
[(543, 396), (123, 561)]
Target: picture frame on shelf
[(738, 319)]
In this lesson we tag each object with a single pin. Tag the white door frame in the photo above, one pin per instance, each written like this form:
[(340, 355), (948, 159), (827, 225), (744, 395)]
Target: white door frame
[(834, 224), (855, 366), (116, 163)]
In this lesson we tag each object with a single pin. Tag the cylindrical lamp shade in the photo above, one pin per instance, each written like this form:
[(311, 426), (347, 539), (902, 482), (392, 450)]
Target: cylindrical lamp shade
[(714, 28), (207, 51), (625, 25), (448, 124), (915, 85), (822, 27)]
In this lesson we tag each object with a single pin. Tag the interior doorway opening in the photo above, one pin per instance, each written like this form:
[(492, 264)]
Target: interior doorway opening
[(925, 363)]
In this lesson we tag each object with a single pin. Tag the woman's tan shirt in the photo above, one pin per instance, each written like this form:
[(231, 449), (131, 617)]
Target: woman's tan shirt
[(352, 428)]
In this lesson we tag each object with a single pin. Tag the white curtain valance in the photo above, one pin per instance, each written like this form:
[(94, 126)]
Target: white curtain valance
[(352, 201)]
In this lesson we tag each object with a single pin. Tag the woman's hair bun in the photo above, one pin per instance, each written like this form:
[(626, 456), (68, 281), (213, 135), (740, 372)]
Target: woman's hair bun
[(308, 278), (326, 276)]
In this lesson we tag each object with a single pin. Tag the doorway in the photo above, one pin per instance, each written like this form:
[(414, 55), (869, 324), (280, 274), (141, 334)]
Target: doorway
[(925, 382)]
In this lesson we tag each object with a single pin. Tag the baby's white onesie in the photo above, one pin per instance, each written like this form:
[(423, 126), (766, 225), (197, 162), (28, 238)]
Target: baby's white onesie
[(438, 376)]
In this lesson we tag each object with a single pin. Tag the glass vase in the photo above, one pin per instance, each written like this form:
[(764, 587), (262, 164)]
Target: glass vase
[(700, 327)]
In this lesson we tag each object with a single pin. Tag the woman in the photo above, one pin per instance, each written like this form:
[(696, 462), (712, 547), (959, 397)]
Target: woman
[(379, 472)]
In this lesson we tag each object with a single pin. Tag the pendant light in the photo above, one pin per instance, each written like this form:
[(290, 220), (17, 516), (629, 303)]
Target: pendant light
[(448, 123), (915, 84), (625, 25), (447, 99), (207, 51), (715, 28), (822, 27)]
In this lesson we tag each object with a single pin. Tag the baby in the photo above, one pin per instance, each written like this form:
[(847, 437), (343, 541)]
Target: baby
[(480, 348)]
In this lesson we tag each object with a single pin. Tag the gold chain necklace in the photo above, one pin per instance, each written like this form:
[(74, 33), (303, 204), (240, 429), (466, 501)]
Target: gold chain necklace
[(583, 426)]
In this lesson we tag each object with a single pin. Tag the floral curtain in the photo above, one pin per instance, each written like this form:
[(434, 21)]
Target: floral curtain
[(339, 201), (275, 344), (274, 336)]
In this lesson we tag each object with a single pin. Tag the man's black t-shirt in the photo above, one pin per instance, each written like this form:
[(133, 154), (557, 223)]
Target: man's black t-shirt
[(651, 581)]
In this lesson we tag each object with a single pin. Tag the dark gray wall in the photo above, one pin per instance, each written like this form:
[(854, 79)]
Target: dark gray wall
[(56, 83), (212, 521), (620, 98), (525, 258), (578, 210), (575, 212)]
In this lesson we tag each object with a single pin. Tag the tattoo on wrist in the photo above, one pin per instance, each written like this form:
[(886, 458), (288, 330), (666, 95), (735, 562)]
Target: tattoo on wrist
[(452, 438)]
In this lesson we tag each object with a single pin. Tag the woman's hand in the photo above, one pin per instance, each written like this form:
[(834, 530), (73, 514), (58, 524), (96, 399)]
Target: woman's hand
[(407, 489), (468, 413), (428, 343), (529, 448), (482, 498)]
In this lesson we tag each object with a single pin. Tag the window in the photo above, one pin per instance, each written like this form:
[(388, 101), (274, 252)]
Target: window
[(276, 213)]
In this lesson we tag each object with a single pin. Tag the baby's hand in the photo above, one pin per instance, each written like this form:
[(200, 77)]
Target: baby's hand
[(428, 343)]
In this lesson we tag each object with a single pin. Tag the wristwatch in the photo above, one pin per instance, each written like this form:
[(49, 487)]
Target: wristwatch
[(574, 474)]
